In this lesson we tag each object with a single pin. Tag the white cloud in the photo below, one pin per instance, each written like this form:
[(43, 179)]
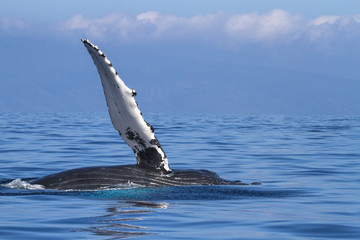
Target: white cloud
[(76, 22), (145, 25), (11, 24), (173, 26), (356, 18), (148, 16), (115, 23), (324, 20), (274, 26)]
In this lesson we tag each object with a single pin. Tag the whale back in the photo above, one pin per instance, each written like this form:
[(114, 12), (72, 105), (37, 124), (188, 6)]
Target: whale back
[(91, 178)]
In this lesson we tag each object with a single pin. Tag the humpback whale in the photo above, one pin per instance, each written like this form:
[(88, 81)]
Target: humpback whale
[(152, 168)]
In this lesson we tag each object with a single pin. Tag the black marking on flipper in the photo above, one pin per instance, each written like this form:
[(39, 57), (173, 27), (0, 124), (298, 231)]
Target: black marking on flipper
[(91, 45), (151, 127), (150, 157), (110, 64), (135, 136), (130, 134), (85, 41), (155, 142), (133, 93)]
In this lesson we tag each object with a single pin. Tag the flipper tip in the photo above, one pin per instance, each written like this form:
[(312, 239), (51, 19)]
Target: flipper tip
[(88, 43)]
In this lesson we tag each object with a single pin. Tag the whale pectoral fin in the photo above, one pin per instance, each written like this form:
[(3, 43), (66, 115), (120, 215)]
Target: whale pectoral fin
[(125, 115)]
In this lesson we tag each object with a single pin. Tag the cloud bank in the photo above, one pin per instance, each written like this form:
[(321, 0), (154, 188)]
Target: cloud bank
[(274, 26)]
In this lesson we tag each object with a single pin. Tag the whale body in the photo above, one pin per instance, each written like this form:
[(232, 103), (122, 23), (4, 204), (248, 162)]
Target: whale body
[(152, 168), (91, 178)]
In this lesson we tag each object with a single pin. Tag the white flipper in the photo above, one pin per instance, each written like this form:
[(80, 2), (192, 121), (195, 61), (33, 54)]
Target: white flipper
[(125, 115)]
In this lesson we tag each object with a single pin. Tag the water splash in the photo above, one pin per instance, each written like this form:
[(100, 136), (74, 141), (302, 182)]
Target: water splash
[(20, 184)]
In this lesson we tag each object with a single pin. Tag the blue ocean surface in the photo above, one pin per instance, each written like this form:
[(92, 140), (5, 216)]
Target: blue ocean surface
[(309, 167)]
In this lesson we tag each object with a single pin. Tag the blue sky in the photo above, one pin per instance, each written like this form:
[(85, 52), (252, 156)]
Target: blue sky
[(246, 57)]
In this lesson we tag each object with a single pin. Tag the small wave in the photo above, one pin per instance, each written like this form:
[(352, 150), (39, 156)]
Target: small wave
[(20, 184)]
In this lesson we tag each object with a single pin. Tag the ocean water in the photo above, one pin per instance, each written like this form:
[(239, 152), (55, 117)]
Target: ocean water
[(308, 166)]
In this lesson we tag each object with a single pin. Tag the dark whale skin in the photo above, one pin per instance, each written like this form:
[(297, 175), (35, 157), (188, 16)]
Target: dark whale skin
[(92, 178)]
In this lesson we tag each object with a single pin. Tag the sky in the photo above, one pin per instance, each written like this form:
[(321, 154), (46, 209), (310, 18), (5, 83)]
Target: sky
[(187, 57)]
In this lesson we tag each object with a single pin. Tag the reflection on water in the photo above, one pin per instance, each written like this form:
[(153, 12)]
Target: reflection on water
[(123, 220)]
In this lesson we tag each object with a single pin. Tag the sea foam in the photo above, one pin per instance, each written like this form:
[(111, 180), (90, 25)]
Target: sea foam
[(20, 184)]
